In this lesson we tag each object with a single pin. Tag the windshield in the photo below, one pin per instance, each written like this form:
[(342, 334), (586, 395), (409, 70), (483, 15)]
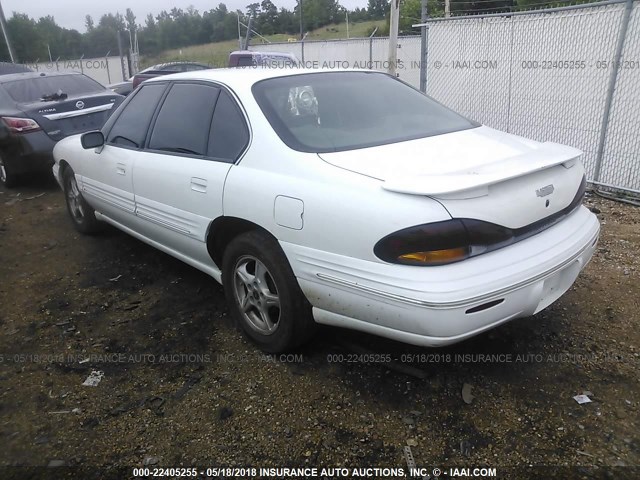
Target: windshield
[(55, 87), (336, 111)]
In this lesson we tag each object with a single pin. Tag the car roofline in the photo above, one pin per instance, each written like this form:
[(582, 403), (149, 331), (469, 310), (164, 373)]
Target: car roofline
[(249, 75), (12, 77)]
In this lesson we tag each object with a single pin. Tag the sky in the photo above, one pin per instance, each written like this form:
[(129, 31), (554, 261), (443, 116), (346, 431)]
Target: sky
[(71, 13)]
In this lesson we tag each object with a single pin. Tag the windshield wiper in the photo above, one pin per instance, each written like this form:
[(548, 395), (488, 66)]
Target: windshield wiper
[(59, 95)]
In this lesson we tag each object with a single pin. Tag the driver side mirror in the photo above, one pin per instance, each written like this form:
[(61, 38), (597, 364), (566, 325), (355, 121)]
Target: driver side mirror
[(92, 140)]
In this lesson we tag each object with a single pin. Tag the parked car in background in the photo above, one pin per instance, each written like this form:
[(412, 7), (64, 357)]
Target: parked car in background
[(38, 109), (345, 198), (121, 88), (7, 68), (251, 58), (166, 69)]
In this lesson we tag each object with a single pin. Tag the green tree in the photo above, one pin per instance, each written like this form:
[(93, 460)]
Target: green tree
[(377, 9), (318, 13), (130, 18)]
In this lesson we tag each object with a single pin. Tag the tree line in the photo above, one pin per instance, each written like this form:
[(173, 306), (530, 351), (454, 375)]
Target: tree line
[(42, 39)]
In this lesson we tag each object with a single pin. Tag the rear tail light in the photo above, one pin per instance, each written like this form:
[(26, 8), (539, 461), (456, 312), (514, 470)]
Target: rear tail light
[(441, 243), (450, 241), (20, 125)]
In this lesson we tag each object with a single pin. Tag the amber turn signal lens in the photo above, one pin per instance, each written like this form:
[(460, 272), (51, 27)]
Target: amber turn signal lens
[(436, 256)]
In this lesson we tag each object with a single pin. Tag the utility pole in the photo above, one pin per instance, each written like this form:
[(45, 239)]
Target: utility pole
[(301, 34), (393, 36), (121, 53), (423, 46), (347, 15), (447, 8), (3, 23), (248, 38)]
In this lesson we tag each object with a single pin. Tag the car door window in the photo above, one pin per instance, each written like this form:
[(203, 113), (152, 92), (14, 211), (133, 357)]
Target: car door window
[(229, 133), (184, 119), (130, 128)]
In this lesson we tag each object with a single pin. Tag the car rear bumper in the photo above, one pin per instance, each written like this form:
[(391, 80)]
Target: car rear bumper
[(30, 152), (433, 306)]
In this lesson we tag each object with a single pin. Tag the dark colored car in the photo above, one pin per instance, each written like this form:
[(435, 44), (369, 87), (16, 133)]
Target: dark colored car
[(166, 69), (122, 88), (7, 68), (252, 58), (38, 109)]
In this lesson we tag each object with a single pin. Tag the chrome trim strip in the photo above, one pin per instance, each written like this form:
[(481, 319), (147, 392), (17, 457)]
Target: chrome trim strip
[(459, 303), (78, 113), (156, 220)]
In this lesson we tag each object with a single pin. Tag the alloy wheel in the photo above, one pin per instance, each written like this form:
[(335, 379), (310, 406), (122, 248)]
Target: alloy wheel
[(256, 294), (75, 200), (3, 172)]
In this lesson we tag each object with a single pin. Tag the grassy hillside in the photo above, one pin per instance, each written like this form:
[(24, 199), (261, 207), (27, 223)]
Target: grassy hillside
[(216, 54)]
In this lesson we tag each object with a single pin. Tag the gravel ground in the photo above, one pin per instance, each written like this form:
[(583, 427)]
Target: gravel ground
[(182, 387)]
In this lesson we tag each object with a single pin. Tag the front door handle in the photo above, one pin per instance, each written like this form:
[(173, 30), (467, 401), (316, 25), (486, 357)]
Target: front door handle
[(198, 184), (121, 169)]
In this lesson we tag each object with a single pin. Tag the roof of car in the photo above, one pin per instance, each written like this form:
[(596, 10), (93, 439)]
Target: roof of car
[(258, 52), (245, 76), (11, 77), (158, 66), (7, 68)]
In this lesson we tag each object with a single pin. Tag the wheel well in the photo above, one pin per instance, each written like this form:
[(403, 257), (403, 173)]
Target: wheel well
[(223, 230), (63, 166)]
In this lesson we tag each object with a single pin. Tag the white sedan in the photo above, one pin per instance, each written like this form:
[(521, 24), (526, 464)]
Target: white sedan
[(345, 198)]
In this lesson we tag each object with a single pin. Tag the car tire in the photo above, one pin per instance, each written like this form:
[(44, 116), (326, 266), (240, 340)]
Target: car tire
[(7, 177), (263, 294), (82, 214)]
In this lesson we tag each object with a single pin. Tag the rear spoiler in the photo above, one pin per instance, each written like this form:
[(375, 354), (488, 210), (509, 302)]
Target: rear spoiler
[(547, 155)]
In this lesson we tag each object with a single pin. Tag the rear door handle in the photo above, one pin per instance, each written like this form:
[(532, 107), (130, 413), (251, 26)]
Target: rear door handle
[(198, 184), (121, 169)]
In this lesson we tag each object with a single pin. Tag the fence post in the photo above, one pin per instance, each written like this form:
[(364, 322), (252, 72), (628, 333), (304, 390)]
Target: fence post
[(122, 67), (81, 67), (302, 49), (423, 47), (370, 53), (613, 78), (510, 86)]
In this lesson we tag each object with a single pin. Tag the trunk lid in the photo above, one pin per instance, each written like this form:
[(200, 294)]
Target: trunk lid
[(479, 173), (74, 114)]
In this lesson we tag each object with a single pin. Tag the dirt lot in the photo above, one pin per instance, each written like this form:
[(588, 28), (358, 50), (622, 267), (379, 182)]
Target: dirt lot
[(182, 387)]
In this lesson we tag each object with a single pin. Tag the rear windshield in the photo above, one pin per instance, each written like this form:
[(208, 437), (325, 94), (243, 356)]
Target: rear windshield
[(29, 90), (336, 111)]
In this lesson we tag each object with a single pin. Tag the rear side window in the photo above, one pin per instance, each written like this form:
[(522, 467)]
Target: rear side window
[(47, 88), (246, 61), (130, 128), (184, 120), (229, 133)]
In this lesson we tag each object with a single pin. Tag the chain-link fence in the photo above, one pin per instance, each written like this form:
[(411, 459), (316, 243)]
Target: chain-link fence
[(568, 75), (372, 53)]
